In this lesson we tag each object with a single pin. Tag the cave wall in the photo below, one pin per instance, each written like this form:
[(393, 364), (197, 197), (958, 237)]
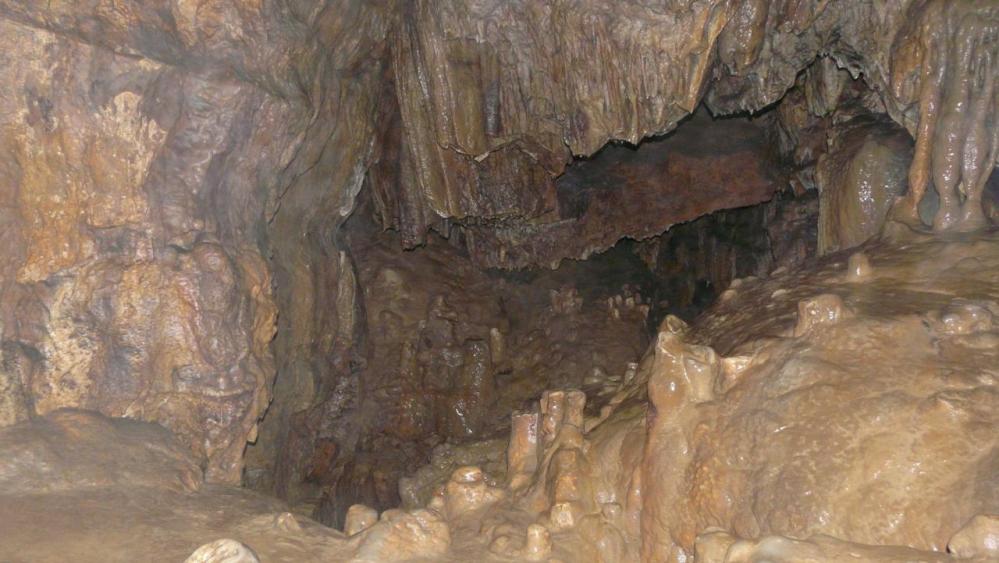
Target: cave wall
[(639, 192), (127, 292), (151, 156), (174, 175)]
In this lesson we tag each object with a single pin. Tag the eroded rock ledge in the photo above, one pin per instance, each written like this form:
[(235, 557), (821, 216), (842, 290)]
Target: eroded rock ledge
[(492, 102)]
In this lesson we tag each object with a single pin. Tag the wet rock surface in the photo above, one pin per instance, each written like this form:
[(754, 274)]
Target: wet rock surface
[(204, 157), (888, 381), (859, 179), (175, 180)]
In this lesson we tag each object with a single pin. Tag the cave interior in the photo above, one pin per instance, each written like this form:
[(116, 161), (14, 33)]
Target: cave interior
[(517, 280)]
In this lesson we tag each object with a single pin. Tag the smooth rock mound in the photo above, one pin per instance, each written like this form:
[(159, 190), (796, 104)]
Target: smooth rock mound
[(75, 449)]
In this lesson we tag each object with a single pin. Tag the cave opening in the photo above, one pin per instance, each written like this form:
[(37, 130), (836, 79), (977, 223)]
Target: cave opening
[(622, 239), (501, 281), (436, 378)]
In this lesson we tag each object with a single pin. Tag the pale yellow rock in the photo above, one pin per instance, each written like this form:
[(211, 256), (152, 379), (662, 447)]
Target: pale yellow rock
[(223, 551), (359, 518)]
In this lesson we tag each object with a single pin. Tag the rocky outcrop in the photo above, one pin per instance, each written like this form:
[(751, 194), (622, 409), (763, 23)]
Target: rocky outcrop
[(862, 395), (126, 292), (72, 450), (859, 179), (150, 159), (486, 92), (639, 192), (175, 175)]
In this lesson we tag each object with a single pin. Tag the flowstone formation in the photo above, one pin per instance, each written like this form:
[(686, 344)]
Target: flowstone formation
[(753, 434), (491, 101), (187, 304)]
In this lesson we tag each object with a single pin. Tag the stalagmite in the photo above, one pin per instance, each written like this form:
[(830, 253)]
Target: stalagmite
[(522, 453), (858, 267)]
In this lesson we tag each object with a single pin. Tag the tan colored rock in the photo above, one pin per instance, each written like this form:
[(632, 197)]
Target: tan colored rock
[(681, 376), (558, 410), (359, 518), (732, 369), (965, 317), (858, 267), (564, 516), (538, 545), (713, 546), (167, 167), (522, 453), (427, 484), (74, 450), (979, 538), (468, 492), (223, 551), (719, 547), (404, 536), (843, 389), (821, 310), (842, 491), (859, 178)]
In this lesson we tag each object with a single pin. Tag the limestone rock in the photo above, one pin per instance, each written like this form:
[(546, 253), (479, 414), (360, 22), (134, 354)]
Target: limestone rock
[(72, 450), (978, 538), (404, 536), (859, 177), (223, 551), (359, 518)]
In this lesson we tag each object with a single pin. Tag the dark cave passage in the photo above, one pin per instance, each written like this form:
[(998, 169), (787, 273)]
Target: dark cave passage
[(436, 372)]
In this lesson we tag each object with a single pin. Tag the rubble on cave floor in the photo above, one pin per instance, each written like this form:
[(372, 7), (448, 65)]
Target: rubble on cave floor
[(794, 421)]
